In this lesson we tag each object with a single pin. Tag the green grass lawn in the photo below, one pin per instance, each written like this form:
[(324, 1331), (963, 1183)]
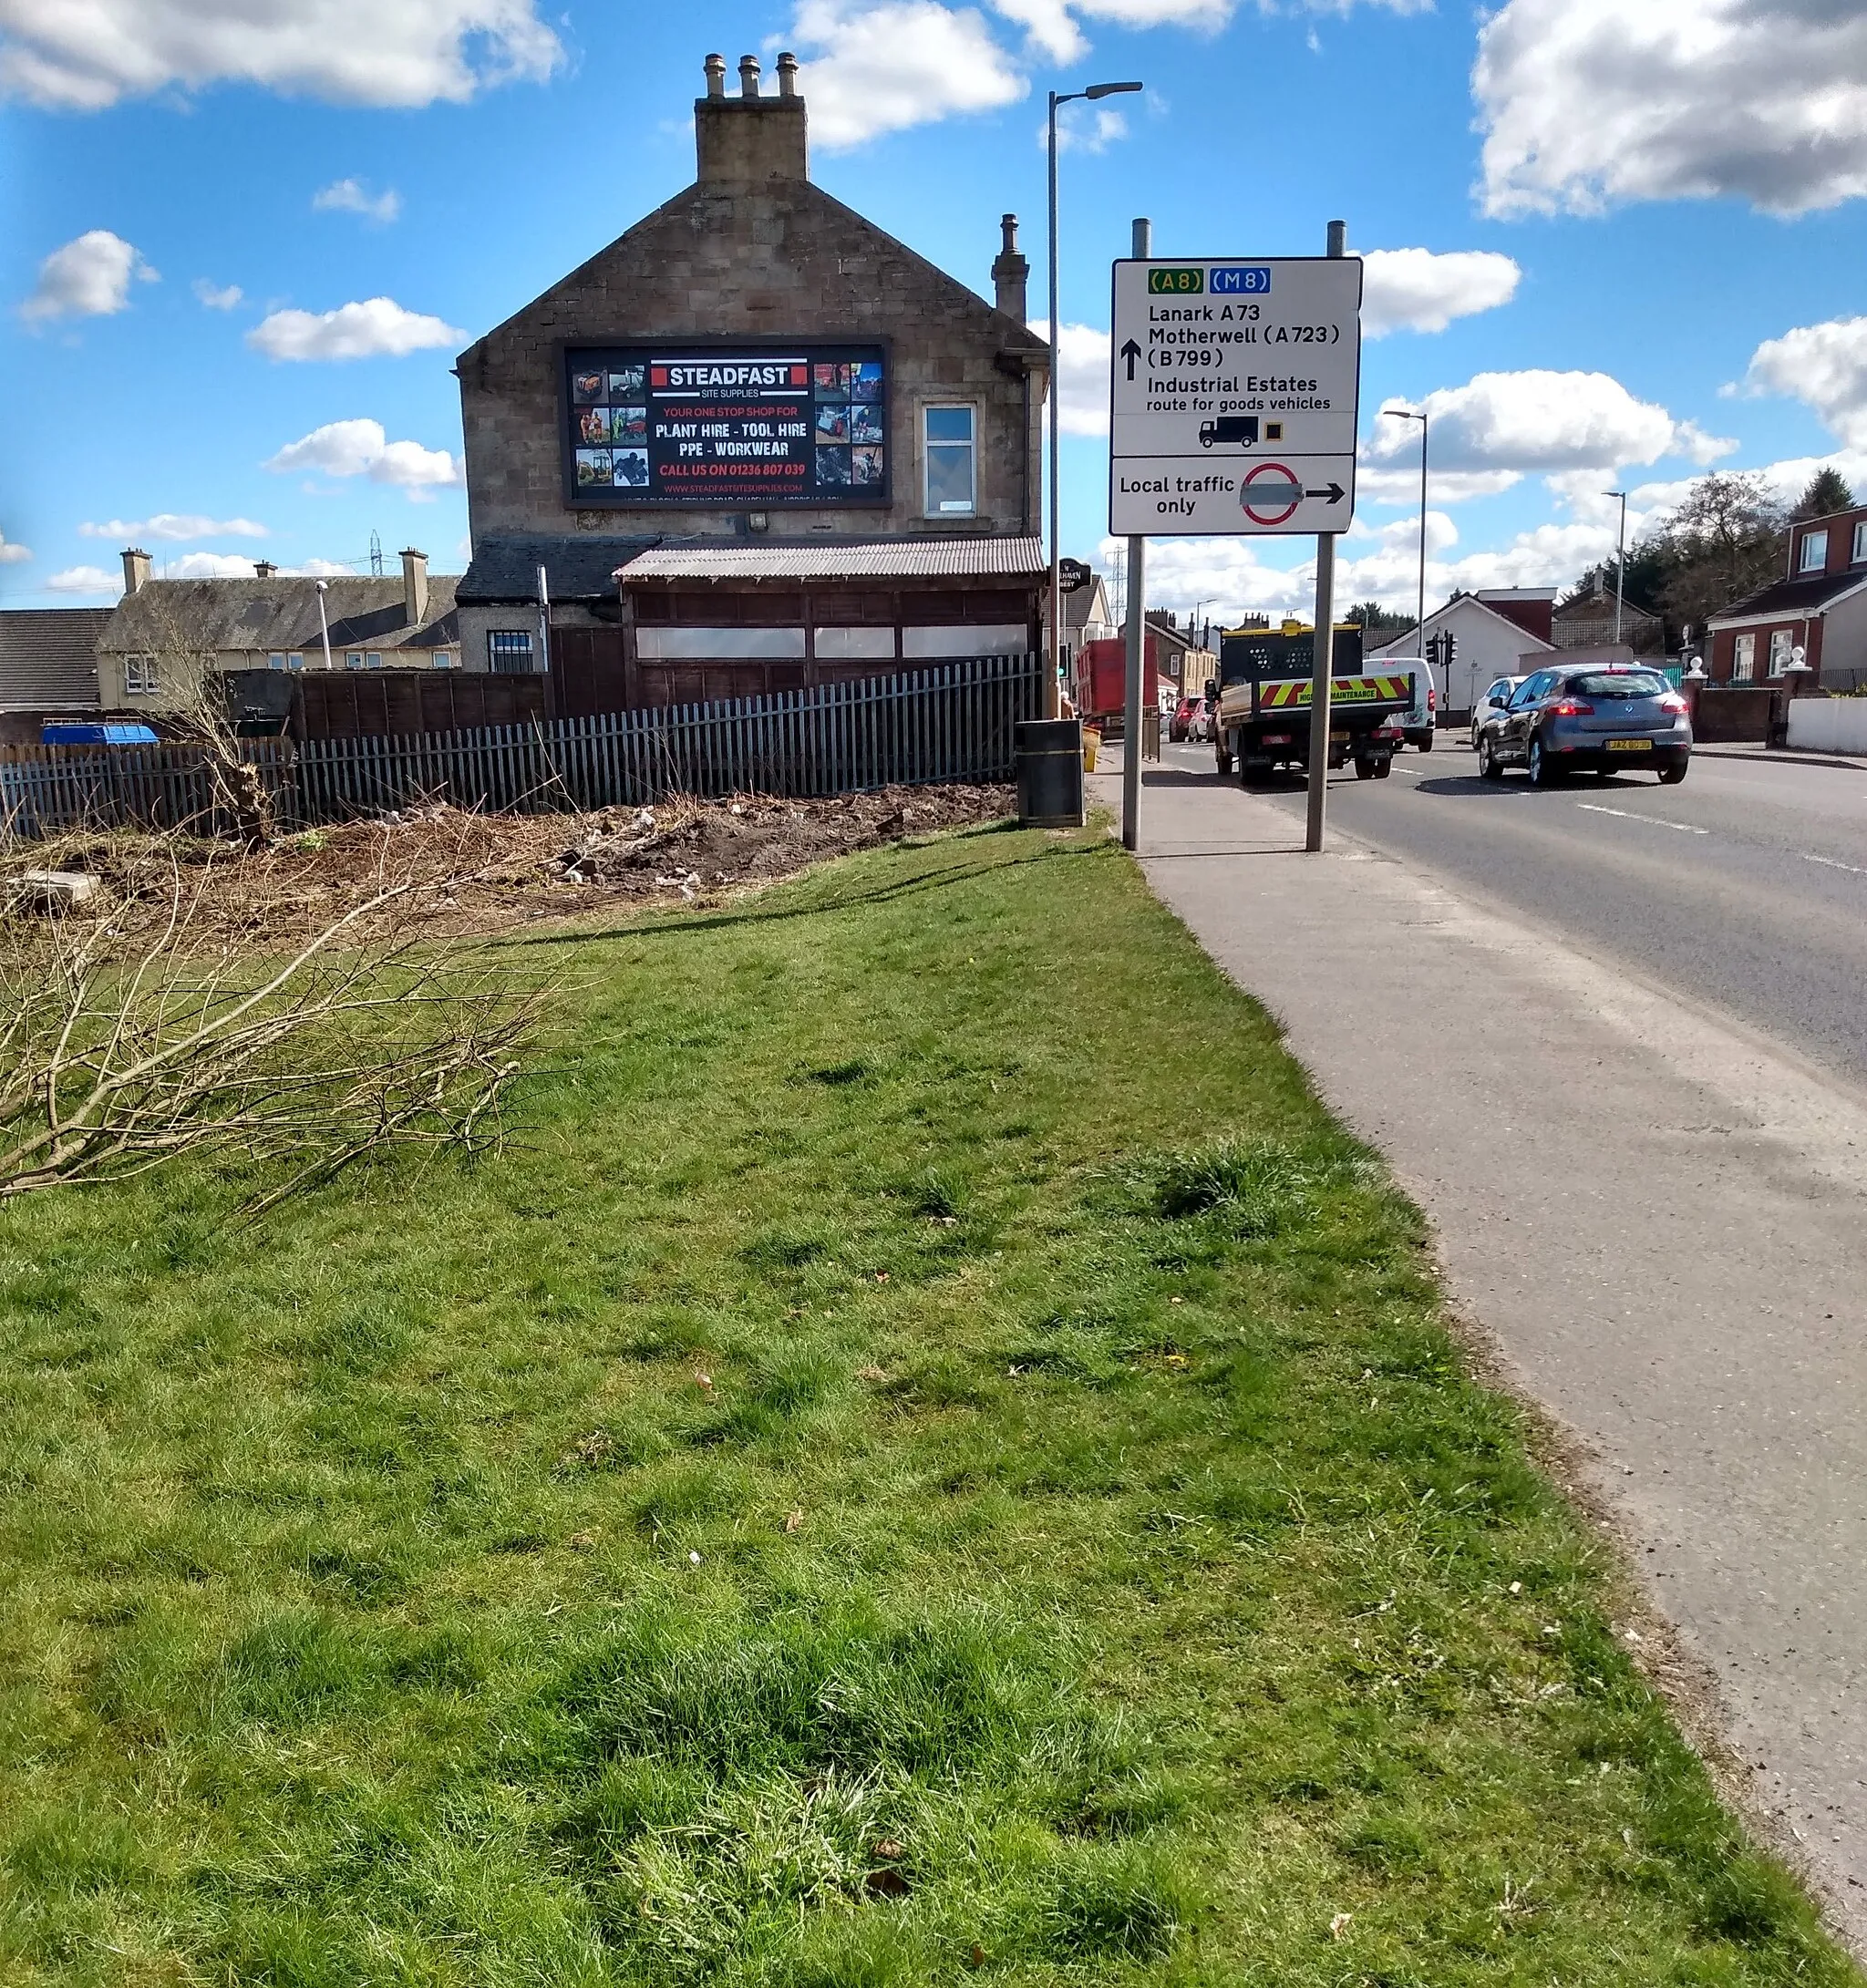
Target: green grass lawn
[(930, 1458)]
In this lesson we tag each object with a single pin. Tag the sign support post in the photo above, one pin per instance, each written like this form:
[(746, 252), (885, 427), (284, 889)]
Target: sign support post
[(1142, 247), (1323, 647)]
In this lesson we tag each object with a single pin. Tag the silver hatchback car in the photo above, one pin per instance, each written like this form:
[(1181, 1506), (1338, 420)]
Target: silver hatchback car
[(1589, 717)]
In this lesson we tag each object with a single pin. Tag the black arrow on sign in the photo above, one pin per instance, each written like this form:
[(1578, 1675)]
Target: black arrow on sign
[(1130, 352), (1334, 493)]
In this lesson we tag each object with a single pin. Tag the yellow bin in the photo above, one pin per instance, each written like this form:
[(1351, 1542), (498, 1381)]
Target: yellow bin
[(1091, 739)]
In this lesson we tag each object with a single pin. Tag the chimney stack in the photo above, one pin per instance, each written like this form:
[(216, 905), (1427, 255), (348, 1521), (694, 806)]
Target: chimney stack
[(263, 569), (136, 569), (415, 585), (1011, 272), (748, 140)]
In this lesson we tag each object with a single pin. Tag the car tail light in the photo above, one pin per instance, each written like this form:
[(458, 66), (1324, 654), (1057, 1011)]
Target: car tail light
[(1432, 699), (1672, 701), (1572, 708)]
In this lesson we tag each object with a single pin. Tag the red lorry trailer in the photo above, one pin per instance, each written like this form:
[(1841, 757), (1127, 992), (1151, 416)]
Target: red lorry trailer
[(1101, 680)]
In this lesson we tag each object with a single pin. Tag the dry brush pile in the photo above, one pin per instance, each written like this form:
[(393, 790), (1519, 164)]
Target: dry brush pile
[(170, 1011)]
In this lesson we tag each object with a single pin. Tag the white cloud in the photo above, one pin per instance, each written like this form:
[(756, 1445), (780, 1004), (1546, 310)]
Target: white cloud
[(1589, 103), (353, 197), (1401, 486), (11, 555), (381, 53), (88, 277), (85, 579), (207, 566), (1082, 408), (1822, 366), (1082, 129), (168, 524), (361, 448), (377, 328), (1050, 30), (1540, 420), (215, 296), (902, 62), (1415, 290)]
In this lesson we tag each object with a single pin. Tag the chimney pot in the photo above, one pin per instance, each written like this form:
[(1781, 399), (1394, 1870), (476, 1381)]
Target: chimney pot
[(716, 76), (1011, 272), (136, 569), (748, 75), (415, 585), (787, 74)]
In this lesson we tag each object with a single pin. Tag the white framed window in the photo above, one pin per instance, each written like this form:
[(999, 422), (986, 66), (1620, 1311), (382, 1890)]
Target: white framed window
[(508, 651), (444, 659), (1859, 542), (1744, 659), (1814, 554), (375, 659), (284, 659), (718, 645), (353, 659), (1780, 642), (140, 676), (951, 446)]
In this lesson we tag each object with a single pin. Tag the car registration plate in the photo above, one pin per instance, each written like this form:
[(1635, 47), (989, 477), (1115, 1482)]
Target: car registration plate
[(1338, 739), (1630, 744)]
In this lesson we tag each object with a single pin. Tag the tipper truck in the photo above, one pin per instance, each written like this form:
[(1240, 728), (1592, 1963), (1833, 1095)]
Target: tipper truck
[(1263, 689)]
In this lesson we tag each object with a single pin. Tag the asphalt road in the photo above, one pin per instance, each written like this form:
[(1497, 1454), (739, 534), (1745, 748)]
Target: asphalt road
[(1745, 889)]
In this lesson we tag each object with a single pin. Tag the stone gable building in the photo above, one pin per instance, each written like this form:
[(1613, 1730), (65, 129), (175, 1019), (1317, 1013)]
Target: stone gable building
[(754, 443)]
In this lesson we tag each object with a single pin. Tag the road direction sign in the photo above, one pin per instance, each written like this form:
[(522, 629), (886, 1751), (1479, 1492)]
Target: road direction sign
[(1232, 396)]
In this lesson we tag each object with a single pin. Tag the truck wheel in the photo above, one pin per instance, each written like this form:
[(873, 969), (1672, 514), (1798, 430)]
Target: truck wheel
[(1426, 742), (1383, 767), (1366, 769)]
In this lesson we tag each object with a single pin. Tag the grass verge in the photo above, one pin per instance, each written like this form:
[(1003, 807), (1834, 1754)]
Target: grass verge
[(934, 1458)]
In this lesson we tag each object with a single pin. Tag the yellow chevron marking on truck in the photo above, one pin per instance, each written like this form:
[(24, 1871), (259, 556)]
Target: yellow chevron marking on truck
[(1293, 693)]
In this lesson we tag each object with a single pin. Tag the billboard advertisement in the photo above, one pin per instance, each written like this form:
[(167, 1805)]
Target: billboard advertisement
[(734, 426)]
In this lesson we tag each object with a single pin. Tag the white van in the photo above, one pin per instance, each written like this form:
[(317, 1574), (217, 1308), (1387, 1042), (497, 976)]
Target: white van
[(1417, 724)]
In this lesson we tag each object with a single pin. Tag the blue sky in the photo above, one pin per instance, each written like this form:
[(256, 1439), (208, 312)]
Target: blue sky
[(1645, 230)]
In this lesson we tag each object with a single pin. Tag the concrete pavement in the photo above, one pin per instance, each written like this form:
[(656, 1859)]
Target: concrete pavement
[(1656, 1213)]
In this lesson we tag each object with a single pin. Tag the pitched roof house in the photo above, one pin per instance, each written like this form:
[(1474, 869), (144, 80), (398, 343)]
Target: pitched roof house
[(1496, 632), (163, 630), (1819, 607), (48, 662)]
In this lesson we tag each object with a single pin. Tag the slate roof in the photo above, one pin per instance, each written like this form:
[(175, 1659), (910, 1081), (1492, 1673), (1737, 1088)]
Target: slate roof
[(49, 657), (579, 566), (278, 614), (848, 559), (1804, 596)]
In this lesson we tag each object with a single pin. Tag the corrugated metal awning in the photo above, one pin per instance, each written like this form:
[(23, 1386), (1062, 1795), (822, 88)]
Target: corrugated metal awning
[(881, 559)]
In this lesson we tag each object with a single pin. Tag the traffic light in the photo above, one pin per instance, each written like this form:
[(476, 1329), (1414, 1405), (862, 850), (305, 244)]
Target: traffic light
[(1449, 650)]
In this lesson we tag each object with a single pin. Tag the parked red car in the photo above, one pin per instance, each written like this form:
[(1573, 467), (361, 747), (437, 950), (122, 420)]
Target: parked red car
[(1179, 724)]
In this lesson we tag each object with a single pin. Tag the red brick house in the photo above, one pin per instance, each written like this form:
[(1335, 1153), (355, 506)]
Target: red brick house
[(1820, 606)]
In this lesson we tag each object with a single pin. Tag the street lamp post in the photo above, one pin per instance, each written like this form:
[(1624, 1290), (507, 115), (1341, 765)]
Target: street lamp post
[(1406, 413), (1052, 695), (1620, 564), (324, 626)]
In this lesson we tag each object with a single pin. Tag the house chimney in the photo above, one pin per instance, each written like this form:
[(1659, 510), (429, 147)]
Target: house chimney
[(748, 139), (263, 569), (415, 585), (136, 569), (1011, 271)]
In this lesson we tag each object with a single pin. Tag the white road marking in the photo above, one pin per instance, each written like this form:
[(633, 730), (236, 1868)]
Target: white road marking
[(1828, 862), (1657, 821)]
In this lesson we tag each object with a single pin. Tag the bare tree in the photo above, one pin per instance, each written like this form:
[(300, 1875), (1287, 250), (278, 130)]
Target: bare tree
[(145, 1024)]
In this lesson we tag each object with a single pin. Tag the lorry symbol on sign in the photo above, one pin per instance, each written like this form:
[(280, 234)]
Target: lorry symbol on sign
[(1242, 429)]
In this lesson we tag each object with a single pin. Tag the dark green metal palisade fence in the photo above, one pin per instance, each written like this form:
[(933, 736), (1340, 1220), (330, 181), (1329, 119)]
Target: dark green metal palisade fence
[(950, 722)]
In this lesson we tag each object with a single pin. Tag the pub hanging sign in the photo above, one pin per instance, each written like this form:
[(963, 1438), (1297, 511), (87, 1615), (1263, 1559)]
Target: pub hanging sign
[(726, 425)]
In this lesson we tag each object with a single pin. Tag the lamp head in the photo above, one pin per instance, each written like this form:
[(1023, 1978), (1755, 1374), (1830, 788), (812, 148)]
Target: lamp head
[(1098, 90)]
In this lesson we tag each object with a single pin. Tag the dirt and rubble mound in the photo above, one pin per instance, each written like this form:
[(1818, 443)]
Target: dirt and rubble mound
[(468, 873)]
